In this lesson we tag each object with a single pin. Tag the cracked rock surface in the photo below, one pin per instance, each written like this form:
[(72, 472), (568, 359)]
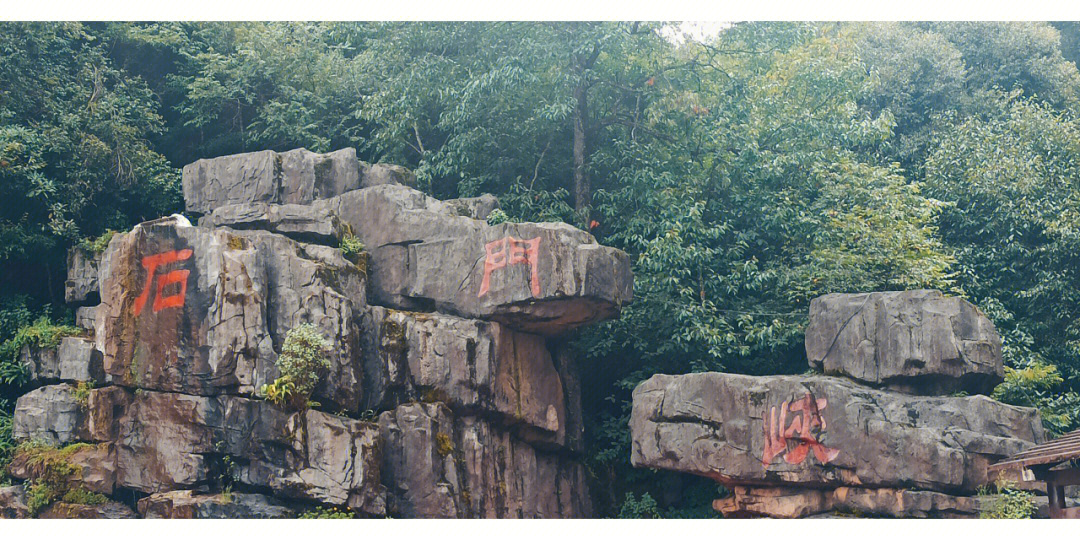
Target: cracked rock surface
[(449, 392)]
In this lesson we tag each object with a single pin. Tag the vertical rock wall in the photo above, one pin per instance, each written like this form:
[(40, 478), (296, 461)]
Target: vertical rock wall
[(449, 393)]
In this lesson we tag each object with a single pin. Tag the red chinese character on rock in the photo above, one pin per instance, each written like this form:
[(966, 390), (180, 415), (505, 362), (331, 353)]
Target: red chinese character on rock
[(508, 252), (777, 434), (151, 264)]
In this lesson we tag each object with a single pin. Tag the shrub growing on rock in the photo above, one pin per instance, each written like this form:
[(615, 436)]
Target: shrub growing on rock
[(303, 356)]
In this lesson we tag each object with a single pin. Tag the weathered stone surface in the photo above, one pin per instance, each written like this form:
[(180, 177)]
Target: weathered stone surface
[(86, 318), (170, 441), (109, 510), (13, 503), (182, 309), (424, 256), (294, 177), (186, 504), (822, 431), (313, 284), (95, 465), (473, 366), (79, 360), (82, 277), (384, 173), (302, 222), (51, 415), (331, 459), (229, 298), (41, 363), (104, 408), (474, 207), (540, 277), (915, 341), (788, 502), (436, 466)]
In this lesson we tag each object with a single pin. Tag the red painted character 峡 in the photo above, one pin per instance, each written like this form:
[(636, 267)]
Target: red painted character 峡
[(509, 251), (151, 265), (777, 434)]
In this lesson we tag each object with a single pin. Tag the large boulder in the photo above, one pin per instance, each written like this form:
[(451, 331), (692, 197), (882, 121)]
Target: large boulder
[(13, 503), (42, 364), (107, 510), (919, 342), (471, 365), (205, 311), (182, 309), (81, 286), (51, 415), (474, 207), (297, 176), (536, 277), (302, 222), (436, 465), (789, 502), (822, 431), (186, 504), (93, 465), (79, 360), (171, 441)]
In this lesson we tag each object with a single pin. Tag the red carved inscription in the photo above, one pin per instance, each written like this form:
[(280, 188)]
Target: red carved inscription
[(778, 431), (508, 252), (151, 265)]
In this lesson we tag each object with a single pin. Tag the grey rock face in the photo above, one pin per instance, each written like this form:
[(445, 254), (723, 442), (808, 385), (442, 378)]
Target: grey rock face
[(302, 222), (788, 502), (186, 504), (474, 207), (86, 318), (79, 360), (822, 431), (381, 174), (436, 465), (109, 510), (95, 466), (82, 281), (169, 441), (201, 311), (913, 341), (50, 414), (535, 277), (478, 405), (13, 503), (297, 177), (472, 366), (42, 363)]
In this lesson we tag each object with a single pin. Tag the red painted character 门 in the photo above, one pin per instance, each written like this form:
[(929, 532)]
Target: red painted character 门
[(778, 432), (151, 265), (508, 252)]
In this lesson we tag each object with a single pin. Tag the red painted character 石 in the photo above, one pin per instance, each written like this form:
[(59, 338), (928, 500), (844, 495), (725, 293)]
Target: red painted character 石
[(778, 432), (151, 264), (509, 251)]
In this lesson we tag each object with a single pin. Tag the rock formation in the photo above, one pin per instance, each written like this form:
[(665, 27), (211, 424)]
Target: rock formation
[(448, 393), (793, 446)]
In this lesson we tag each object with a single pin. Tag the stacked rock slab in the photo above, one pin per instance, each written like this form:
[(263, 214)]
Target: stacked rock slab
[(868, 441), (448, 393)]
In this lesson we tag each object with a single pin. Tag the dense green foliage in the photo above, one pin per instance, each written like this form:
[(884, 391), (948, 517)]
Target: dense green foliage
[(744, 175)]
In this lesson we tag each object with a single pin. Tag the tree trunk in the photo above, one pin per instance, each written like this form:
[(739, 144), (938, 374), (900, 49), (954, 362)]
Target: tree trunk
[(582, 195)]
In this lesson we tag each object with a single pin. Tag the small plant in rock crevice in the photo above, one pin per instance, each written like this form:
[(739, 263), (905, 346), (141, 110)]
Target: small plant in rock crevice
[(303, 357), (327, 513)]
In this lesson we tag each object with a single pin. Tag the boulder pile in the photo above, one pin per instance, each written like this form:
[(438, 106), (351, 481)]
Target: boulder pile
[(888, 429), (448, 393)]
